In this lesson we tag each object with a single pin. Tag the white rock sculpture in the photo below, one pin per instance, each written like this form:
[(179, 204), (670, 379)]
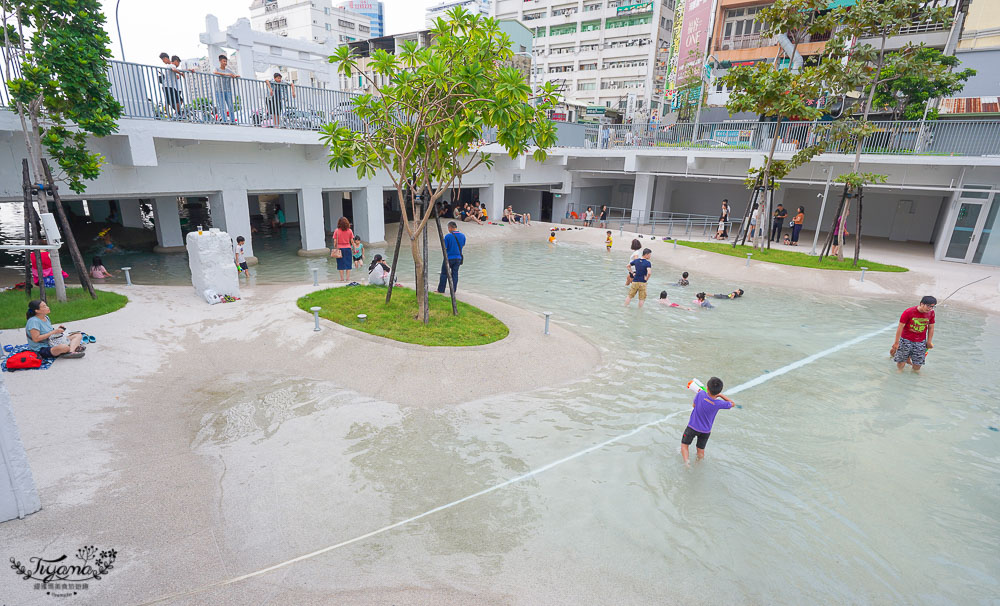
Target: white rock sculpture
[(210, 256)]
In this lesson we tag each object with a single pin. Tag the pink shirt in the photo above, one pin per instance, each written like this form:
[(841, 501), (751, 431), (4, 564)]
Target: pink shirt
[(342, 238)]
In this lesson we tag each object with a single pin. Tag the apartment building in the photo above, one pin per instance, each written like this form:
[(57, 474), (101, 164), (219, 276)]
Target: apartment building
[(313, 20), (738, 39), (373, 9), (432, 13), (607, 53)]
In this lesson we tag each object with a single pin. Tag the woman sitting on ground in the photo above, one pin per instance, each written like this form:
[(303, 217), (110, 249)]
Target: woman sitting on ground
[(471, 214), (378, 272), (47, 341)]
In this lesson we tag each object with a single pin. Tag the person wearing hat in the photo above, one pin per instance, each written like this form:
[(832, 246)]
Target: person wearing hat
[(914, 335)]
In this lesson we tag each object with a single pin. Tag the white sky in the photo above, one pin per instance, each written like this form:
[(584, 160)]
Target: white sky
[(150, 27)]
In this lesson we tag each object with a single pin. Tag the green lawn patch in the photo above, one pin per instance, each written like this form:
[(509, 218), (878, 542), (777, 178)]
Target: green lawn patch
[(787, 257), (78, 306), (472, 326)]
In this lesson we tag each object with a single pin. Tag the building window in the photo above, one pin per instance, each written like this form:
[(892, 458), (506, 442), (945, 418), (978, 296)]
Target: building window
[(586, 86), (589, 26), (533, 16), (559, 69), (562, 30), (326, 10), (345, 24), (364, 28), (617, 22), (592, 7), (564, 11), (586, 67), (328, 27), (742, 29), (275, 24), (539, 32), (270, 8), (590, 47)]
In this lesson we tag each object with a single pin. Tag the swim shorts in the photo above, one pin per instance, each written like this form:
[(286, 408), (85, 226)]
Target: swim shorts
[(914, 350), (638, 287), (690, 434)]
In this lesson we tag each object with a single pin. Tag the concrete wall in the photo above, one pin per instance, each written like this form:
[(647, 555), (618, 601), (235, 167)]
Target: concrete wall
[(525, 201), (986, 82)]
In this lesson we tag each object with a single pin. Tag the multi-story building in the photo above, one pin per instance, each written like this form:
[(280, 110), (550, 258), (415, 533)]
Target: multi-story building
[(313, 20), (738, 39), (601, 52), (440, 10), (373, 9)]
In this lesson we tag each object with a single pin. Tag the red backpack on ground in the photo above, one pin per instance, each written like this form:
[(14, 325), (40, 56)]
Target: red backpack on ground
[(24, 360)]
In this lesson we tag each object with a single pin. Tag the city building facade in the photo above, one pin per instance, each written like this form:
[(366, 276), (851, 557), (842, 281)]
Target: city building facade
[(373, 9), (606, 54), (312, 20), (440, 10)]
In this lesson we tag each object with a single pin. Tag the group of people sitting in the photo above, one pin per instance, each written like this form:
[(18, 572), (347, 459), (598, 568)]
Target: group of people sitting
[(509, 216), (470, 212)]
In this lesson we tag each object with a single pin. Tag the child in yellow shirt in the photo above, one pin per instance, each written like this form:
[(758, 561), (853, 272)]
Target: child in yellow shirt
[(607, 241)]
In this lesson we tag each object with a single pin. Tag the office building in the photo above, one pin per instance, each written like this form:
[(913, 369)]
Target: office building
[(602, 53), (432, 13), (312, 20), (373, 9)]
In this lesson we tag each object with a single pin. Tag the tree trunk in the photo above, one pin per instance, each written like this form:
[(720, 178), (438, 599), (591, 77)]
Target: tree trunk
[(395, 259), (830, 237), (44, 206), (857, 234), (74, 251), (426, 315), (26, 188), (418, 271)]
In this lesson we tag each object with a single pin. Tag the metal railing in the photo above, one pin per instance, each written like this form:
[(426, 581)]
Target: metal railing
[(657, 223), (931, 137)]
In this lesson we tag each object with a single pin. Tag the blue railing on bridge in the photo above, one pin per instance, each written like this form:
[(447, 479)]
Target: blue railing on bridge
[(925, 137)]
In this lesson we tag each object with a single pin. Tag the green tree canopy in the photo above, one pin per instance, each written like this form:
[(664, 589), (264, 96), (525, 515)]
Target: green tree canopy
[(906, 96), (61, 51), (431, 110)]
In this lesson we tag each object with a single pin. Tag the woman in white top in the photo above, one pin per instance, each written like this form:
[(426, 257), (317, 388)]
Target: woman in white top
[(378, 272), (636, 253)]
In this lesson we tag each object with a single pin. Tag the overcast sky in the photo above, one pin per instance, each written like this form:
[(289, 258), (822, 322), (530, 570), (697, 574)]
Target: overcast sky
[(150, 27)]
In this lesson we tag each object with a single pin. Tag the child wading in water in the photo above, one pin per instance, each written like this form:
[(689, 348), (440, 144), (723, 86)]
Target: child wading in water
[(684, 280), (701, 302), (358, 252), (97, 269), (607, 241), (552, 237), (664, 300), (706, 406)]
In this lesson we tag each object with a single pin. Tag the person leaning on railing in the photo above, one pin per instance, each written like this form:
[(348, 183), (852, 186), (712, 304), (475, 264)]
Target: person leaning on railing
[(278, 92), (224, 91)]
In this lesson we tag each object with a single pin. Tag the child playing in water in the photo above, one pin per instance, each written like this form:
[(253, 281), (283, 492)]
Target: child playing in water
[(736, 294), (607, 241), (707, 403), (239, 255), (684, 279), (701, 302), (552, 237), (357, 252), (97, 269), (666, 301)]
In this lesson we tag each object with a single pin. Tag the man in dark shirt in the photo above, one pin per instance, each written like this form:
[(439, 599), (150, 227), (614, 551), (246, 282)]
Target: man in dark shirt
[(640, 277), (453, 243), (779, 218)]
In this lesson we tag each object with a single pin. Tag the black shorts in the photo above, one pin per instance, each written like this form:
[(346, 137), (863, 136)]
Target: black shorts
[(173, 96), (244, 266), (691, 434)]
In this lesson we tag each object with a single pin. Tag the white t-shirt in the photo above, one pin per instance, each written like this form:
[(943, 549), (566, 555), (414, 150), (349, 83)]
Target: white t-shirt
[(240, 258), (636, 254), (171, 79), (379, 276), (589, 215)]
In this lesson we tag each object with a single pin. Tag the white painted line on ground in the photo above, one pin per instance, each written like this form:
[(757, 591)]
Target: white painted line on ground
[(743, 386)]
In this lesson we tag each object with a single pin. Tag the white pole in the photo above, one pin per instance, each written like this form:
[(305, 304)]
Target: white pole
[(822, 209)]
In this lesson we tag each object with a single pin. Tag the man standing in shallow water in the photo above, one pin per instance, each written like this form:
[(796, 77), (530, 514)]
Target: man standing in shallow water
[(914, 334)]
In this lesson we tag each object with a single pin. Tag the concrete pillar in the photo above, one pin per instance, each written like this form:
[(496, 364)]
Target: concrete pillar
[(493, 197), (231, 213), (310, 209), (642, 198), (663, 197), (560, 202), (131, 213), (369, 214), (167, 222), (99, 210), (570, 202), (333, 209)]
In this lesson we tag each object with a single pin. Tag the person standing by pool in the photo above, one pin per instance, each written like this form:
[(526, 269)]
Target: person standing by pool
[(604, 217), (797, 221), (723, 232), (588, 217), (914, 334), (707, 404), (640, 276), (342, 238), (453, 243), (777, 221), (841, 220), (636, 247)]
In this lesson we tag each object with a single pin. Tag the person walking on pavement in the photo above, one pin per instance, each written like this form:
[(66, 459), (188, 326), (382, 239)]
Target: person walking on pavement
[(453, 243)]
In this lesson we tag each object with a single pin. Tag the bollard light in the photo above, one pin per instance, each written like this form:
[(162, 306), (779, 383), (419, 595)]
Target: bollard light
[(748, 258), (863, 270), (315, 311), (548, 316), (362, 318), (315, 276), (675, 243), (128, 276)]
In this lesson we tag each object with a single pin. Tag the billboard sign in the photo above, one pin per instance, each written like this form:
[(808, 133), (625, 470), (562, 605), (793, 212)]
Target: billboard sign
[(695, 31)]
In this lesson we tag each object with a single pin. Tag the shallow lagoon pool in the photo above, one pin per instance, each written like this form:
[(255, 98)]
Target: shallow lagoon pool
[(839, 482)]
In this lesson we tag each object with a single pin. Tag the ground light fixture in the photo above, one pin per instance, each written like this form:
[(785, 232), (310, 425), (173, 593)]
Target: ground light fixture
[(315, 311)]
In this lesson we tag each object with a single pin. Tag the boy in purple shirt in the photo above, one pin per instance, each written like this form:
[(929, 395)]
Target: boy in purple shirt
[(706, 405)]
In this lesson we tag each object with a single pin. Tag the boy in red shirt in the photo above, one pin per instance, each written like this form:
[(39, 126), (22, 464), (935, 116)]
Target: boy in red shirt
[(914, 334)]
